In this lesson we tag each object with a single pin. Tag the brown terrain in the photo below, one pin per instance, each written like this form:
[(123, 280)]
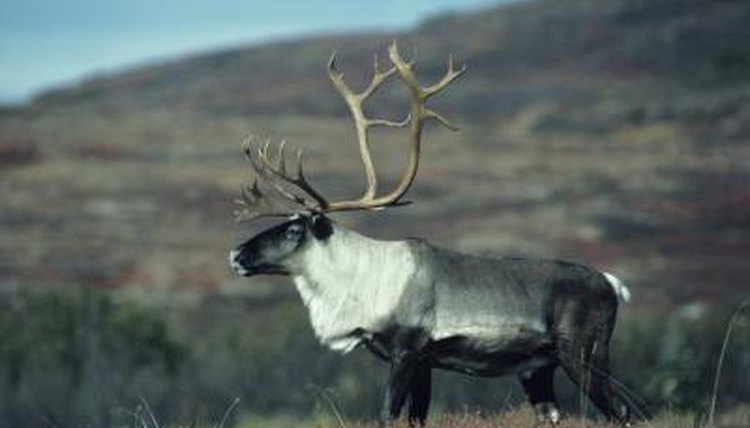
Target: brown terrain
[(609, 132)]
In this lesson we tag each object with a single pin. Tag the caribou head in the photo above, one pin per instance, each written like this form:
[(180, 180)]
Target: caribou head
[(281, 189)]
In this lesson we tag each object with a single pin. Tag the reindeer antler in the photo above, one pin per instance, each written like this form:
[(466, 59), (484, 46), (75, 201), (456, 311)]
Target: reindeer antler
[(282, 193), (361, 123), (285, 193)]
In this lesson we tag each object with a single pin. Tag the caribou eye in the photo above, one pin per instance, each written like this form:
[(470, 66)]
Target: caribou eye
[(293, 232)]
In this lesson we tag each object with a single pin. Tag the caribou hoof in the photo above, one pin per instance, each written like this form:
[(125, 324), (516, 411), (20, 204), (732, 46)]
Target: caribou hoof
[(547, 413)]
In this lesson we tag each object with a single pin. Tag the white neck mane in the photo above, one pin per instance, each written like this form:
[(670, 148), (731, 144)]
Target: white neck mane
[(351, 282)]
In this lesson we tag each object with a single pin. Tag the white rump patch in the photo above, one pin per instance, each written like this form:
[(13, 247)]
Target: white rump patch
[(622, 292)]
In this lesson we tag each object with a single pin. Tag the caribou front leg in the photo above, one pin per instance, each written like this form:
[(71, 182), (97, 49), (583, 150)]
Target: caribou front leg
[(403, 369), (539, 388), (419, 394)]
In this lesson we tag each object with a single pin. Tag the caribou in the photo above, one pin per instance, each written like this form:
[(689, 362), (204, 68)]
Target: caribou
[(415, 305)]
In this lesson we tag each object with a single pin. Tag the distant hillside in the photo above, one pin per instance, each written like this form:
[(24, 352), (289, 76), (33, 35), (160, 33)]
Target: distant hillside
[(540, 48), (612, 132)]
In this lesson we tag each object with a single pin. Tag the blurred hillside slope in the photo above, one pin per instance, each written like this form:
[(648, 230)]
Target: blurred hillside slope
[(610, 132)]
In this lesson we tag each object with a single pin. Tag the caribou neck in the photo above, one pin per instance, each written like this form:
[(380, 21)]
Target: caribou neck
[(352, 284)]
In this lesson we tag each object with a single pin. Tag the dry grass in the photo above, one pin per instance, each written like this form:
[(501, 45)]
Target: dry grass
[(522, 417)]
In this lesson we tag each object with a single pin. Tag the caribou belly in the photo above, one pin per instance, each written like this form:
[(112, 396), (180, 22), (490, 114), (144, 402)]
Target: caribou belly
[(485, 356), (485, 344)]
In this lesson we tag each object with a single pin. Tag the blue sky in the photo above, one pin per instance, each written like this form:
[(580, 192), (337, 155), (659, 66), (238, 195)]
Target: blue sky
[(44, 43)]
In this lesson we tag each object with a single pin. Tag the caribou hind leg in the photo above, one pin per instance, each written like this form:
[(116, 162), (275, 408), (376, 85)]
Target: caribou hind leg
[(539, 387), (592, 374), (585, 358)]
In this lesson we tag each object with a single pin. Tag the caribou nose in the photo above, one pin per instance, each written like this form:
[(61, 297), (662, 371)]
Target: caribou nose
[(234, 262)]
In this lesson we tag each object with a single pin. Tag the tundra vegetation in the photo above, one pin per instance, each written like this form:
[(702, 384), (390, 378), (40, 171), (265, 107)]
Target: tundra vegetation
[(608, 132)]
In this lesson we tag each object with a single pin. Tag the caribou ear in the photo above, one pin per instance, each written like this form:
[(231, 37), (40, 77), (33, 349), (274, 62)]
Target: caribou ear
[(321, 226)]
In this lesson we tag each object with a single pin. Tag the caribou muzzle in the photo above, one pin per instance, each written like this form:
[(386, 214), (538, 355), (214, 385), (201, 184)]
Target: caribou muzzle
[(246, 266)]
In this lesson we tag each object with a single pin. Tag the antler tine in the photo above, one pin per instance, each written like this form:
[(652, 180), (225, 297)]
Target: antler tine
[(282, 158), (450, 75), (377, 80), (256, 203), (406, 72), (274, 192), (362, 124), (278, 171), (419, 112)]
